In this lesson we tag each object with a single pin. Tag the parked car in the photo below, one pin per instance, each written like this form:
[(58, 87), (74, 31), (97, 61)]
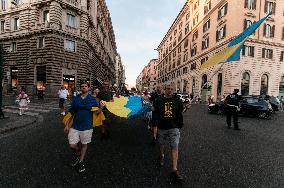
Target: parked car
[(249, 106), (273, 101)]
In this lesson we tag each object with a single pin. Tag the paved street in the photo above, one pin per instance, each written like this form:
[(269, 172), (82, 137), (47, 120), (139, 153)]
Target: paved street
[(210, 156)]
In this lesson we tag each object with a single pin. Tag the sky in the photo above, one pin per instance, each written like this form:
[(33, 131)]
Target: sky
[(139, 27)]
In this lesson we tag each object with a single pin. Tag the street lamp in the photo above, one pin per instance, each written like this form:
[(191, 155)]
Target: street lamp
[(1, 78)]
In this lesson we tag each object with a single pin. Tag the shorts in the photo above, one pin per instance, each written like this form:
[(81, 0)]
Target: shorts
[(75, 136), (170, 135), (61, 102)]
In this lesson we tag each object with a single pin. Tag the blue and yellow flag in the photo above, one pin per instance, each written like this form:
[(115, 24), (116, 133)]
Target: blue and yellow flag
[(232, 51)]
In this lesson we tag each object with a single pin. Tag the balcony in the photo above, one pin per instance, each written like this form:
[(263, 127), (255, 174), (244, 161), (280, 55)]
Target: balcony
[(72, 30), (72, 3)]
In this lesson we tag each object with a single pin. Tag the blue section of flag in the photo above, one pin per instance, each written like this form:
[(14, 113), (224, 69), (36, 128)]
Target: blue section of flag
[(236, 55), (250, 30)]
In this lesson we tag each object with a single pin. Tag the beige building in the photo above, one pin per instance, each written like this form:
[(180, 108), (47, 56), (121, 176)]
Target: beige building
[(120, 72), (49, 43), (204, 27), (147, 79)]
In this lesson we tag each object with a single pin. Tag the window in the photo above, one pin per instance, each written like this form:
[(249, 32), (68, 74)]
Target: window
[(175, 32), (283, 33), (206, 26), (180, 25), (3, 4), (180, 36), (248, 51), (70, 20), (264, 85), (245, 84), (193, 51), (250, 4), (16, 23), (268, 31), (282, 56), (195, 20), (2, 26), (195, 36), (247, 23), (193, 66), (221, 33), (203, 60), (219, 84), (186, 43), (196, 4), (205, 43), (186, 30), (223, 11), (14, 46), (207, 7), (178, 61), (179, 49), (269, 7), (204, 83), (70, 45), (185, 57), (184, 70), (40, 42), (187, 16), (267, 53), (46, 16), (174, 53)]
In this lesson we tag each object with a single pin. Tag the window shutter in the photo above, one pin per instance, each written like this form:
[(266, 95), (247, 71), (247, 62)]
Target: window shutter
[(263, 52), (252, 51), (208, 23), (246, 3), (254, 4), (264, 30), (283, 33), (245, 24), (219, 14), (271, 54), (244, 50), (281, 56), (207, 42), (226, 8), (224, 33), (273, 8), (265, 6), (273, 30), (217, 32)]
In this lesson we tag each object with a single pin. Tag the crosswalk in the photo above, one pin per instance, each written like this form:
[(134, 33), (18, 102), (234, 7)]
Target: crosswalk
[(34, 109)]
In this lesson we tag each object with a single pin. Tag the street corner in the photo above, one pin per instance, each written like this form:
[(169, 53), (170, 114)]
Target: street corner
[(14, 121)]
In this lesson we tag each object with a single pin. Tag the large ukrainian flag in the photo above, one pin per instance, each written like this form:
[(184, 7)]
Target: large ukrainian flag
[(232, 51)]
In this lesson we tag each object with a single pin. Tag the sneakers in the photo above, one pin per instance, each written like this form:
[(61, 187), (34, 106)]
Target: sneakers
[(176, 176), (81, 167), (75, 162)]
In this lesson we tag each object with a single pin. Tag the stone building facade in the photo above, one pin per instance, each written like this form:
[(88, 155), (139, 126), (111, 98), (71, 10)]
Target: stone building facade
[(49, 43), (204, 27), (120, 72), (147, 79)]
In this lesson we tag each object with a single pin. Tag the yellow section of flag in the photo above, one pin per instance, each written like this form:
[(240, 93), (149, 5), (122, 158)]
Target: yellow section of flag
[(221, 56)]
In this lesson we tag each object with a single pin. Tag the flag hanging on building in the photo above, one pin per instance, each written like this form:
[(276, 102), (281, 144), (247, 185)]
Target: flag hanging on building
[(232, 51)]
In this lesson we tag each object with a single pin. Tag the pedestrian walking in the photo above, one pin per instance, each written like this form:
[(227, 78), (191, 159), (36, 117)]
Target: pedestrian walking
[(23, 100), (62, 94), (231, 108), (169, 109), (82, 125), (157, 93), (105, 94)]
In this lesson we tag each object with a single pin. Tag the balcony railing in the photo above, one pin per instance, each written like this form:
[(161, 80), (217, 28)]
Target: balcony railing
[(72, 2)]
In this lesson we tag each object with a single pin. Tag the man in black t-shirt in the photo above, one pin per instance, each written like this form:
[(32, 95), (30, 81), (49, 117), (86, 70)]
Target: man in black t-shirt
[(169, 113), (231, 108)]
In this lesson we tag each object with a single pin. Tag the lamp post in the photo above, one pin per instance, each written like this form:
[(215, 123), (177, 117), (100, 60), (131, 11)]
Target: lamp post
[(1, 77)]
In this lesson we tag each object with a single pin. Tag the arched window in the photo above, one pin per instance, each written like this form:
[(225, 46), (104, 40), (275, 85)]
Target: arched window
[(219, 84), (264, 85), (281, 87), (204, 81), (245, 84)]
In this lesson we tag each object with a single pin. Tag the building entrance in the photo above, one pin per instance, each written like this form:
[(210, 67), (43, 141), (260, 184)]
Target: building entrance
[(281, 87), (14, 77), (69, 82)]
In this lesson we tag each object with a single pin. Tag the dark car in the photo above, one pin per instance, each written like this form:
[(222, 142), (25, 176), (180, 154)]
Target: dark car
[(272, 100), (249, 106)]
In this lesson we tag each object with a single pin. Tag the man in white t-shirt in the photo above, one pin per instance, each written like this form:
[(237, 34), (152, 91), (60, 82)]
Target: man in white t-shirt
[(62, 94)]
